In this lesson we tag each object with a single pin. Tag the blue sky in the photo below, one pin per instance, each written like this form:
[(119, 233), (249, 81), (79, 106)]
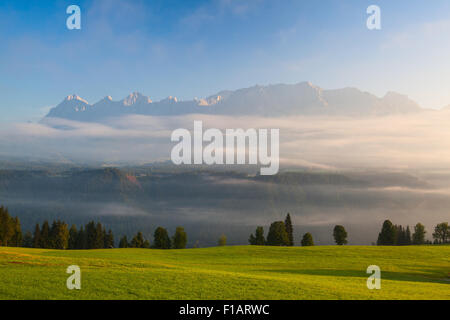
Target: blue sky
[(197, 48)]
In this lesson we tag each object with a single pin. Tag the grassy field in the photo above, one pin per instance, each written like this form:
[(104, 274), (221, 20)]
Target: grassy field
[(243, 272)]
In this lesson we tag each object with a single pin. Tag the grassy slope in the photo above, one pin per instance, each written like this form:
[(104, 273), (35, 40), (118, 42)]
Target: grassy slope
[(228, 273)]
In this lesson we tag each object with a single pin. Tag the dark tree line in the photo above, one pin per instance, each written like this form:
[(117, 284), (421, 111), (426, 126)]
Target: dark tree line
[(54, 236), (396, 235), (59, 236), (281, 233), (90, 236), (161, 240)]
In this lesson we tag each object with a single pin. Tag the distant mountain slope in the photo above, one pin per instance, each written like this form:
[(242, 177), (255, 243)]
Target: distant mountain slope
[(273, 100)]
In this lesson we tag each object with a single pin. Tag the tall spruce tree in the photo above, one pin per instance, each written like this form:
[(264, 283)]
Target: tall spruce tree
[(52, 235), (17, 237), (252, 240), (59, 235), (91, 235), (387, 236), (99, 241), (123, 243), (138, 241), (399, 235), (82, 239), (179, 238), (257, 239), (73, 237), (7, 227), (45, 236), (289, 229), (408, 240), (109, 240), (37, 236), (259, 236)]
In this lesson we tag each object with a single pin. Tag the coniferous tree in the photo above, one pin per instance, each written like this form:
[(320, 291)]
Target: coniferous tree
[(257, 239), (73, 237), (402, 236), (7, 227), (408, 240), (387, 235), (123, 243), (340, 235), (82, 239), (99, 241), (277, 235), (17, 238), (179, 238), (109, 240), (45, 236), (62, 239), (37, 236), (59, 235), (259, 236), (252, 240), (162, 240), (137, 241), (104, 237), (418, 237), (398, 235), (307, 240), (4, 222), (52, 235), (289, 230), (91, 235)]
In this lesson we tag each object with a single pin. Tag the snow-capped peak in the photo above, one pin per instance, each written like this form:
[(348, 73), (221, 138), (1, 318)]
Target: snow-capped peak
[(75, 97), (136, 97), (209, 101)]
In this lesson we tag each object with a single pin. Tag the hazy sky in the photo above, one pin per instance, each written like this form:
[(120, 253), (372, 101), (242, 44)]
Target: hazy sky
[(196, 48)]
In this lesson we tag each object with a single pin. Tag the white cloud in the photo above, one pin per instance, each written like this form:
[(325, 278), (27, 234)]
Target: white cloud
[(407, 141)]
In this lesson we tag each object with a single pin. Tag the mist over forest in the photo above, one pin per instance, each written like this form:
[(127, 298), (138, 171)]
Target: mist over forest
[(209, 201)]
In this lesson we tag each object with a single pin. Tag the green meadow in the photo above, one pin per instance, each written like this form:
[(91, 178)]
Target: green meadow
[(240, 272)]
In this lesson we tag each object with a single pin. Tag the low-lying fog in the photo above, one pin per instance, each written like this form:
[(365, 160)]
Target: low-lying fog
[(380, 168)]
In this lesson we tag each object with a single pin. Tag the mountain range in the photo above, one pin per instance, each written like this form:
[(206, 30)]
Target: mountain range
[(302, 98)]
